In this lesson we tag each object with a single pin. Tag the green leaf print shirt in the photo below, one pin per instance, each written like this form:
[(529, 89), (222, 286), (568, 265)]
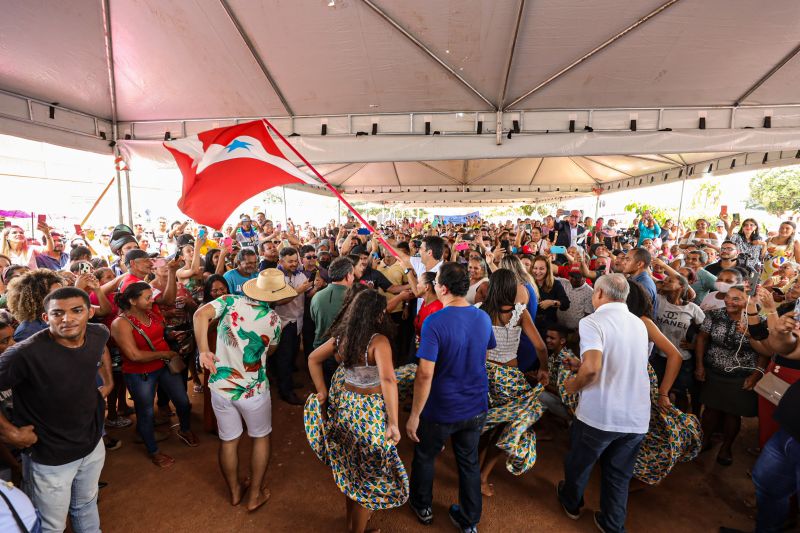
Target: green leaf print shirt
[(246, 328)]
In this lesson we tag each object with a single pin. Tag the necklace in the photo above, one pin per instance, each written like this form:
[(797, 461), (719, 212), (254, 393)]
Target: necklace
[(149, 319)]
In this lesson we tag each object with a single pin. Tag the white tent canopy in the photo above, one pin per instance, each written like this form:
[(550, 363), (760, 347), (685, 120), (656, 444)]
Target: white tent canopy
[(417, 99)]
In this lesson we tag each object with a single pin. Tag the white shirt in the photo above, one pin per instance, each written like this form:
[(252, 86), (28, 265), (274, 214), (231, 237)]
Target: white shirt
[(674, 320), (619, 399), (711, 302), (573, 236), (580, 304), (293, 311)]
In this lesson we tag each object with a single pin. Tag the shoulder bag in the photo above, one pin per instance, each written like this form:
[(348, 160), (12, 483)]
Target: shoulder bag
[(175, 365), (771, 388)]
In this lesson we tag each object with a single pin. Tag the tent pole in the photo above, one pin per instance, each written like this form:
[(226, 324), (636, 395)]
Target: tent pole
[(338, 211), (128, 192), (285, 213), (94, 205), (597, 208), (119, 197), (680, 205)]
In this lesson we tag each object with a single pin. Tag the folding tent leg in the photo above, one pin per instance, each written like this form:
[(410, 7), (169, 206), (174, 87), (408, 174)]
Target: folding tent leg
[(128, 192), (285, 213), (680, 205), (119, 197)]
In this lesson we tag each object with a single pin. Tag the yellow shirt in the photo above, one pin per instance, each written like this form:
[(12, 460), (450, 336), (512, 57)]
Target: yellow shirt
[(210, 244), (396, 276)]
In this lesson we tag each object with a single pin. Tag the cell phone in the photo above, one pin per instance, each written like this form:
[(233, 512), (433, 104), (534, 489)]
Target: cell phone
[(736, 219), (461, 246), (468, 237), (505, 244), (84, 267), (514, 249), (558, 250), (227, 242), (528, 227), (42, 219), (78, 229), (723, 210), (797, 310), (201, 233), (363, 231), (285, 243)]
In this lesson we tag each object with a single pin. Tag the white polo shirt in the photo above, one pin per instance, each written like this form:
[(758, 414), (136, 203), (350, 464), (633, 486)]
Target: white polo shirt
[(619, 400)]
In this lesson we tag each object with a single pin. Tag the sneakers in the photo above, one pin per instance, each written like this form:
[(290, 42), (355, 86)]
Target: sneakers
[(425, 516), (455, 517), (574, 514), (596, 517), (113, 444), (119, 422)]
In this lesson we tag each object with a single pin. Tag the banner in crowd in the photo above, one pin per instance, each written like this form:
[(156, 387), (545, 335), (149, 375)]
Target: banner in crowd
[(454, 219)]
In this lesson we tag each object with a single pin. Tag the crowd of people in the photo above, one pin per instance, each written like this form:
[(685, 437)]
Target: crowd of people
[(647, 344)]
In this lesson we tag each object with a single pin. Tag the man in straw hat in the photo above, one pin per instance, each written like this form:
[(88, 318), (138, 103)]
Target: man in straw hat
[(248, 329)]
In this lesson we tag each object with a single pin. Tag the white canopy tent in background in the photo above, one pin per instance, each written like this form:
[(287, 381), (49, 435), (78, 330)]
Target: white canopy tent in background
[(452, 101)]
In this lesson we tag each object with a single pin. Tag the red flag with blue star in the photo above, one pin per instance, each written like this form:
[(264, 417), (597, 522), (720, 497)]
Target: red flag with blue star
[(224, 167)]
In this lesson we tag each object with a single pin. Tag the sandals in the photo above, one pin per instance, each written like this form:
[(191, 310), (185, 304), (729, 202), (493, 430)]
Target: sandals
[(162, 460), (189, 439)]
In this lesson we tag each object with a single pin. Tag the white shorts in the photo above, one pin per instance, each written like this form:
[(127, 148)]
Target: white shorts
[(256, 412)]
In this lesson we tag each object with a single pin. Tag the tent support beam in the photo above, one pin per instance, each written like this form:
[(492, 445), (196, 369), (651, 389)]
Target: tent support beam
[(112, 89), (788, 57), (443, 174), (503, 91), (381, 13), (594, 51), (255, 55), (609, 167)]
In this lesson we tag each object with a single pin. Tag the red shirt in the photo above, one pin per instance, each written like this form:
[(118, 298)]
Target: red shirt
[(424, 312), (155, 331)]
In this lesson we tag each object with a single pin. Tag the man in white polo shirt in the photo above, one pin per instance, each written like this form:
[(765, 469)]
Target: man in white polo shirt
[(430, 260), (613, 413)]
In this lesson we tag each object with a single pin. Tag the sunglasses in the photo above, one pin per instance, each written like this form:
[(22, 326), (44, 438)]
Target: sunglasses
[(276, 242), (310, 257)]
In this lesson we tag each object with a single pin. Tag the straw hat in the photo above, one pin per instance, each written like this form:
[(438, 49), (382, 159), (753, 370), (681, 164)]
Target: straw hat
[(269, 286)]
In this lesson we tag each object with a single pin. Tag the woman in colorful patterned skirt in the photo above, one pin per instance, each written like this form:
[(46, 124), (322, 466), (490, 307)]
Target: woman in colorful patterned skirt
[(358, 432), (513, 404)]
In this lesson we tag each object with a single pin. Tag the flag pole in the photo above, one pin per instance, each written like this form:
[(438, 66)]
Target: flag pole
[(332, 189)]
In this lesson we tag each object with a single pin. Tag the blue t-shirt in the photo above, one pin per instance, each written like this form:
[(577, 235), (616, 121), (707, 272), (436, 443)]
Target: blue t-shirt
[(527, 358), (649, 285), (236, 280), (28, 329), (456, 339)]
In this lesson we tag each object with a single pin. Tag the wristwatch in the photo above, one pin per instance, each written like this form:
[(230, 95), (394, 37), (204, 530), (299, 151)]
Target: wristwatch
[(406, 271)]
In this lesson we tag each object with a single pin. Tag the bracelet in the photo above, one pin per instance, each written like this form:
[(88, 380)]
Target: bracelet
[(772, 312), (752, 314)]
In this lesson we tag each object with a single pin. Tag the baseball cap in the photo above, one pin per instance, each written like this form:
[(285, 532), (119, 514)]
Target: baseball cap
[(137, 254), (527, 250)]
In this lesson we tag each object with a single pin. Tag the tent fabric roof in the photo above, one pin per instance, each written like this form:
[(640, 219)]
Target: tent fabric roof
[(364, 61)]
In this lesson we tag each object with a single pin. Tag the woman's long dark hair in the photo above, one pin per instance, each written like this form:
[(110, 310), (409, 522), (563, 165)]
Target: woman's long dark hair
[(363, 318), (502, 294), (210, 283), (349, 296), (755, 236), (208, 260), (639, 301), (131, 292)]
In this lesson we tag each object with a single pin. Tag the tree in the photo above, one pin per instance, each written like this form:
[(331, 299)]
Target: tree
[(777, 190), (708, 196), (659, 213)]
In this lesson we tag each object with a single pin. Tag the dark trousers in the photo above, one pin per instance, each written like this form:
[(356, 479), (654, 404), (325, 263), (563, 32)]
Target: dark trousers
[(617, 455), (284, 357), (464, 436), (143, 391), (403, 341), (776, 476)]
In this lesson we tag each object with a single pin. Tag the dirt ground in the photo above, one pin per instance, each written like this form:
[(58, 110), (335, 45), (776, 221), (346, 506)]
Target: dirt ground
[(191, 496)]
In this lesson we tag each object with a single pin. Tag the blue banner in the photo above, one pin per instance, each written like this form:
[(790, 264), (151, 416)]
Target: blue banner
[(454, 219)]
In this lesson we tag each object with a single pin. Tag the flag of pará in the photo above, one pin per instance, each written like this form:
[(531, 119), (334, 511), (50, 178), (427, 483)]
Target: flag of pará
[(224, 167)]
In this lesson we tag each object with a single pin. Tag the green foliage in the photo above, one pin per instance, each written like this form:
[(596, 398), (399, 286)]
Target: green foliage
[(708, 196), (659, 213), (777, 190)]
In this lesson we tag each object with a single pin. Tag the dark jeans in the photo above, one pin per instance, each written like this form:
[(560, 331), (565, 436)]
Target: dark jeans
[(776, 476), (403, 341), (143, 391), (464, 436), (284, 357), (617, 454)]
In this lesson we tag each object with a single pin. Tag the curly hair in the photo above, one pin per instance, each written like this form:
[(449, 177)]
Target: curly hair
[(349, 296), (364, 318), (26, 293)]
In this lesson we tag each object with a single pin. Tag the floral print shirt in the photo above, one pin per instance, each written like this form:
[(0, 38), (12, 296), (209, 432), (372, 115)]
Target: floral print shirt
[(246, 328)]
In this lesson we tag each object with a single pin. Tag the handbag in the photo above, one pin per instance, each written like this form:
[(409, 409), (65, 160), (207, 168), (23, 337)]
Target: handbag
[(175, 365), (771, 388)]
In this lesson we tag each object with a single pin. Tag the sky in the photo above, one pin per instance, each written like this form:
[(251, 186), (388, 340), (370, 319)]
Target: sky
[(64, 183)]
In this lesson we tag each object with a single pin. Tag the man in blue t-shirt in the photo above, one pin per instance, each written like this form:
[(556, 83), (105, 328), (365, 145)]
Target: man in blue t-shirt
[(246, 269), (451, 392)]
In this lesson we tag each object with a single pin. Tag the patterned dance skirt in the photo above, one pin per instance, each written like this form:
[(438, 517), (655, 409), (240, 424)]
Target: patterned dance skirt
[(352, 441), (513, 402), (673, 437)]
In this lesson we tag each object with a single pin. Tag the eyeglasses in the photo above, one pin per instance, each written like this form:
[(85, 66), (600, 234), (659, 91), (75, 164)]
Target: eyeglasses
[(310, 257), (276, 242)]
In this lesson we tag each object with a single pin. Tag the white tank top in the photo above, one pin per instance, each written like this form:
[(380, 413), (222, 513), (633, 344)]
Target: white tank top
[(473, 290), (366, 376), (507, 337)]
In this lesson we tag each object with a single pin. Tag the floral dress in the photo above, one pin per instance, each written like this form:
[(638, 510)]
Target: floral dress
[(777, 254)]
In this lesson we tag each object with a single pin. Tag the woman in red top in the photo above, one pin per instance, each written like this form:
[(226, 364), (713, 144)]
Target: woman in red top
[(430, 304), (144, 366)]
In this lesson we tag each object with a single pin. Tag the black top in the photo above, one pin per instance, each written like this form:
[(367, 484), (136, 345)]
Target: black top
[(264, 264), (549, 316), (716, 268), (786, 412), (55, 390), (377, 279)]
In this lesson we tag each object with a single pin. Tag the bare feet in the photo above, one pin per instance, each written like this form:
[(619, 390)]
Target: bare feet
[(487, 489), (238, 492), (261, 498)]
